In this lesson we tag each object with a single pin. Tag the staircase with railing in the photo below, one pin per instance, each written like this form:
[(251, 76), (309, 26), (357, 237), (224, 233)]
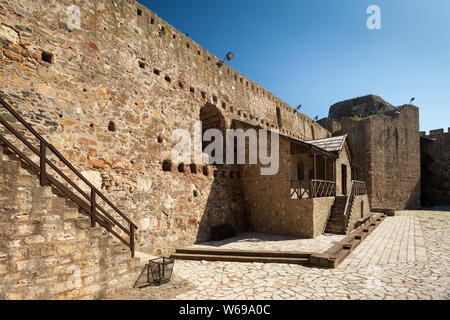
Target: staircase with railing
[(341, 210), (357, 188), (124, 230)]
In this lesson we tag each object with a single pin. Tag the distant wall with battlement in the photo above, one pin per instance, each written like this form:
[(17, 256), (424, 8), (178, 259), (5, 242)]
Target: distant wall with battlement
[(386, 155), (109, 97), (435, 161)]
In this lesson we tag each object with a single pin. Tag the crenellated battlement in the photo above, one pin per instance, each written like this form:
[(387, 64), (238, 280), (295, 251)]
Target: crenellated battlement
[(433, 133), (226, 78)]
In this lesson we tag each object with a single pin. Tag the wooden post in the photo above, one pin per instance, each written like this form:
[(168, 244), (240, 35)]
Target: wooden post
[(315, 167), (93, 205), (333, 168), (315, 177), (132, 240), (43, 162)]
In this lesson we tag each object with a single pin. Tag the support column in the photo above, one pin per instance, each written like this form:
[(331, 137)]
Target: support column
[(315, 166), (333, 176)]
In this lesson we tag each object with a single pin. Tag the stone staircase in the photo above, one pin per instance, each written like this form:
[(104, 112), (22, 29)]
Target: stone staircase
[(248, 256), (337, 222), (48, 249)]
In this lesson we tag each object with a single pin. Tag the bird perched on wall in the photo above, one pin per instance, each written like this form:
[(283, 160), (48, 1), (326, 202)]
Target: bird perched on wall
[(298, 107), (412, 99), (316, 118)]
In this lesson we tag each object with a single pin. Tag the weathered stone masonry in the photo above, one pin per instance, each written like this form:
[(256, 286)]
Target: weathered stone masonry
[(385, 145), (435, 159), (108, 97), (387, 156), (48, 250)]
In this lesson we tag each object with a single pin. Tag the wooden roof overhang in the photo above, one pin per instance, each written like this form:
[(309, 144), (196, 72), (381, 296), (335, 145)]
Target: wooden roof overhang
[(313, 149)]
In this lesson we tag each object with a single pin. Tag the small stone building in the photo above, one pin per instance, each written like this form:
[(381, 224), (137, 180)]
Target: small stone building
[(300, 199)]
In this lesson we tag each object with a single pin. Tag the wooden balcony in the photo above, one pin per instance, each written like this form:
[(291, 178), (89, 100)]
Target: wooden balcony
[(307, 189)]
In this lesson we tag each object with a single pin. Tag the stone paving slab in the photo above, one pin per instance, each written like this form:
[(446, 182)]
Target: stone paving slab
[(396, 240), (408, 257), (271, 242)]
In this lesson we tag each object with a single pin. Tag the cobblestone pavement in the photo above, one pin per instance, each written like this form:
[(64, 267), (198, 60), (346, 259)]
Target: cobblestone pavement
[(398, 240), (407, 257), (271, 242)]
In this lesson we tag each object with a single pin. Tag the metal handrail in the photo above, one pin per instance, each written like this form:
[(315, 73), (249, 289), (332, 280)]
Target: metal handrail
[(92, 208)]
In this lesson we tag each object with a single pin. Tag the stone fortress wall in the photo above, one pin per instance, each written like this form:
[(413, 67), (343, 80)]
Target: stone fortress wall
[(385, 145), (109, 96), (435, 160)]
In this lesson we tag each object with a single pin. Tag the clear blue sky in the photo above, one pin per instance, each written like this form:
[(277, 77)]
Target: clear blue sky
[(319, 52)]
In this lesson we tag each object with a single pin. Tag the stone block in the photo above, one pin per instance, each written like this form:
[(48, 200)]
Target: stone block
[(70, 214), (96, 232)]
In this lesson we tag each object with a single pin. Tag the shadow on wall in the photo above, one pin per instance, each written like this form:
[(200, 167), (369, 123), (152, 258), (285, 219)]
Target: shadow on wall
[(413, 202), (225, 204)]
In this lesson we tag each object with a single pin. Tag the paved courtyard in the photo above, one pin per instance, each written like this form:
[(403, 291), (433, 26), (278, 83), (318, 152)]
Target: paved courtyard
[(272, 242), (406, 257)]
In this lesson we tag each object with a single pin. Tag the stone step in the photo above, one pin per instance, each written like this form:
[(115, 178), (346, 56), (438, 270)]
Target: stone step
[(251, 253), (83, 222), (339, 205), (47, 205), (22, 180), (11, 167), (14, 196), (70, 213), (337, 217), (247, 259), (42, 193), (56, 204), (336, 224), (335, 231), (96, 232)]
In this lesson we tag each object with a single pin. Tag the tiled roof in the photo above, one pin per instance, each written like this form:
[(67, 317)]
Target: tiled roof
[(329, 144)]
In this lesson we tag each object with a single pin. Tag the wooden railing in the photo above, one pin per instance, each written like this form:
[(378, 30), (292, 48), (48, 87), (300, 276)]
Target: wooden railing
[(323, 188), (313, 188), (88, 203), (357, 188), (301, 188)]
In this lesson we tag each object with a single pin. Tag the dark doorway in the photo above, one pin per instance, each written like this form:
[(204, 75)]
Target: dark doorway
[(211, 118), (344, 179)]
